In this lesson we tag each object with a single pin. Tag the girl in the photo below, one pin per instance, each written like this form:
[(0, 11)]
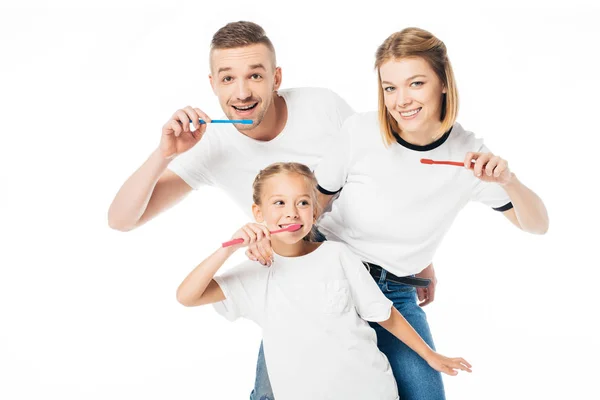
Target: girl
[(312, 303), (394, 210)]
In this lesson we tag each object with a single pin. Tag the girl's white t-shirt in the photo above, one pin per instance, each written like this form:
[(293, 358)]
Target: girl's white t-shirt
[(313, 311)]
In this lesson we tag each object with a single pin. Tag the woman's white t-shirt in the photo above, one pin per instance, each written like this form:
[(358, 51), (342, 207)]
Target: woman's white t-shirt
[(392, 209)]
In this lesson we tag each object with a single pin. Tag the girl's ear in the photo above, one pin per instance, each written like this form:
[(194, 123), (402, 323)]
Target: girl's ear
[(257, 213)]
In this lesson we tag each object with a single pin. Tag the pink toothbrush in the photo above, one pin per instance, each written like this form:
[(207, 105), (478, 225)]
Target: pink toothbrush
[(289, 228), (430, 162)]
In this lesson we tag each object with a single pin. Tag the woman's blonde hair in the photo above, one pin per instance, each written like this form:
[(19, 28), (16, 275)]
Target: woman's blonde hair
[(288, 168), (415, 42)]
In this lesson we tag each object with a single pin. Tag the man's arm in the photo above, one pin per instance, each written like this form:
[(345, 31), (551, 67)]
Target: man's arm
[(152, 188), (149, 191)]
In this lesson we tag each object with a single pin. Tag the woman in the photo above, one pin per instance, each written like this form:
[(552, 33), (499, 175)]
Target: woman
[(394, 210)]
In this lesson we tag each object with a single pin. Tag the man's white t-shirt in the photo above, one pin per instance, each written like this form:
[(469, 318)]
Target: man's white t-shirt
[(229, 160), (393, 210), (313, 311)]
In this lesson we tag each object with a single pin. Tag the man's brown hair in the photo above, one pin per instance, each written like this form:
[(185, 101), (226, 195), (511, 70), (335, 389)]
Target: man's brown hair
[(241, 34)]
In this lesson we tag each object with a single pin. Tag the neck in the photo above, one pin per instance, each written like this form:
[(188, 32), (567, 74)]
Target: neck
[(272, 123), (297, 249), (423, 137)]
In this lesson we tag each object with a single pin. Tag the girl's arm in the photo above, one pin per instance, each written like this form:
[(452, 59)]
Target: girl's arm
[(199, 287), (399, 327)]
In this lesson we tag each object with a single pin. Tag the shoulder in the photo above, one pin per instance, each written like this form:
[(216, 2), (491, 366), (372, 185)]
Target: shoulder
[(313, 96), (363, 120), (337, 248), (363, 130), (246, 269), (464, 140)]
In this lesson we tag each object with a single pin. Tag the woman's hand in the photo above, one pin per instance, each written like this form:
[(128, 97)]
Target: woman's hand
[(427, 295), (488, 167), (261, 251)]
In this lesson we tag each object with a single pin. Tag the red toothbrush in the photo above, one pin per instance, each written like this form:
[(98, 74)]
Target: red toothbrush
[(430, 162), (289, 228)]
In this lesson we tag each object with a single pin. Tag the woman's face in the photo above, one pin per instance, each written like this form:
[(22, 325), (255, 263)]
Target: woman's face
[(412, 94)]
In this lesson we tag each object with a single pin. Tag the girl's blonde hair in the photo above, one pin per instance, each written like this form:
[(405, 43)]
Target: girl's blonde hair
[(415, 42), (288, 168)]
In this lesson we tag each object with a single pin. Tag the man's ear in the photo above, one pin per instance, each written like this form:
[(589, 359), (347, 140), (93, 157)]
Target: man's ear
[(210, 79), (277, 81), (257, 213)]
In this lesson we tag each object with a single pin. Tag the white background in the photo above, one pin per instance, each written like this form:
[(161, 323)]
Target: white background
[(90, 313)]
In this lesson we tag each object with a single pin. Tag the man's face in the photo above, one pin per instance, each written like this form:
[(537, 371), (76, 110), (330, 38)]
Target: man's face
[(244, 79)]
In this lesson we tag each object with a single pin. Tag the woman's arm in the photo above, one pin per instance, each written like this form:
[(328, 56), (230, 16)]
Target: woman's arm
[(399, 327), (529, 212), (323, 200)]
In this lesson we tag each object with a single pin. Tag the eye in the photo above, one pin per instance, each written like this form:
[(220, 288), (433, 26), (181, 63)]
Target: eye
[(256, 77), (278, 202), (389, 89), (417, 84), (304, 203), (227, 79)]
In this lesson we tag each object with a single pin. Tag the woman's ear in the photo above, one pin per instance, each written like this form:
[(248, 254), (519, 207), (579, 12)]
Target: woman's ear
[(257, 213)]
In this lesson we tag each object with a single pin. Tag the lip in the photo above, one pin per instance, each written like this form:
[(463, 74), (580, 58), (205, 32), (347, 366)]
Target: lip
[(244, 112), (282, 226), (411, 116)]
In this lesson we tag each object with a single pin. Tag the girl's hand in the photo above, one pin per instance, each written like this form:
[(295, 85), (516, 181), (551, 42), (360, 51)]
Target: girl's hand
[(488, 167), (448, 365), (251, 233)]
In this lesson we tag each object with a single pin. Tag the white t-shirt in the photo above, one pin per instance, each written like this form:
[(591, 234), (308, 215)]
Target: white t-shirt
[(316, 344), (230, 160), (394, 211)]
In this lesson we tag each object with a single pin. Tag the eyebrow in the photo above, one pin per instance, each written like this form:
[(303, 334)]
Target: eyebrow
[(252, 67), (281, 195), (258, 66), (408, 79)]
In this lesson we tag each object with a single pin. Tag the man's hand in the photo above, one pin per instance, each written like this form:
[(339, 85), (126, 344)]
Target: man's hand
[(177, 137)]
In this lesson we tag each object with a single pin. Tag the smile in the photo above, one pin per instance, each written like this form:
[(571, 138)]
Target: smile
[(245, 108), (407, 114), (286, 225)]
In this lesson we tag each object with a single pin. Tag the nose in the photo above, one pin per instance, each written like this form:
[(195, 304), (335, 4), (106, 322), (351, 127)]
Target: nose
[(243, 90), (402, 98), (291, 211)]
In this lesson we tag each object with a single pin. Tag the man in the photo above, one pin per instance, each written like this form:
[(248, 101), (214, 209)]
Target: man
[(288, 125)]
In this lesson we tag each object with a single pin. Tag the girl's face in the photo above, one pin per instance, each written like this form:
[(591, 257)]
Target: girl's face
[(412, 94), (286, 199)]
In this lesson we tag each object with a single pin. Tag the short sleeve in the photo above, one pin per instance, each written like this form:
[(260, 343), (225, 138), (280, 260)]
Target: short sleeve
[(343, 109), (332, 171), (191, 166), (370, 302), (489, 193), (244, 289)]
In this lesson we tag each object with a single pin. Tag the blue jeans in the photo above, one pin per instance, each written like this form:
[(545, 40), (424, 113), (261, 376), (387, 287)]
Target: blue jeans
[(415, 378)]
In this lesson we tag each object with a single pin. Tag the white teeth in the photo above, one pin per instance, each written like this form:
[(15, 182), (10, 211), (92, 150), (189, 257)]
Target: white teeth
[(410, 113), (245, 108)]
